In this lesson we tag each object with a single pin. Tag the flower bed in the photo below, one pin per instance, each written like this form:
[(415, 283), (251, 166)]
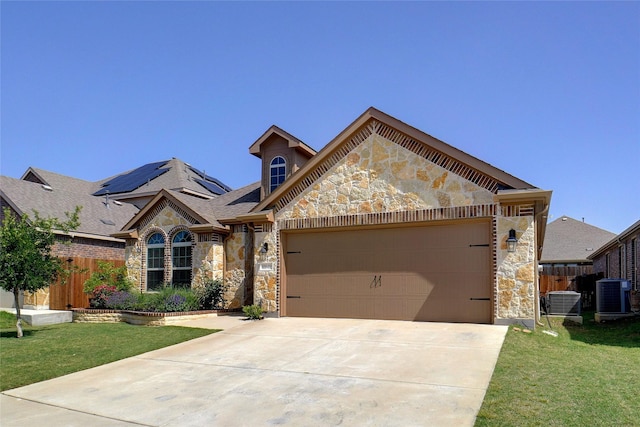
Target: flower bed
[(92, 315)]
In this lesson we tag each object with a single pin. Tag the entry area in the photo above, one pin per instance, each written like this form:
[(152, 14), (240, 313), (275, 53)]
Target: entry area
[(428, 273)]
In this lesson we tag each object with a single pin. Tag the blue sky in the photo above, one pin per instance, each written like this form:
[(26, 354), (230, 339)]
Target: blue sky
[(547, 91)]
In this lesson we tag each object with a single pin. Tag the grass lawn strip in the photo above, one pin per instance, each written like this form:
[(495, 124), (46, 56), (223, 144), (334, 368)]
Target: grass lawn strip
[(51, 351), (588, 375)]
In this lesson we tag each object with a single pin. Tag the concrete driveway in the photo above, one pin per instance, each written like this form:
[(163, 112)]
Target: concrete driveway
[(287, 371)]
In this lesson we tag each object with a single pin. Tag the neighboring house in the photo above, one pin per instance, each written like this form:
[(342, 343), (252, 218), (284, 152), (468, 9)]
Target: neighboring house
[(564, 264), (619, 258), (384, 222), (106, 206)]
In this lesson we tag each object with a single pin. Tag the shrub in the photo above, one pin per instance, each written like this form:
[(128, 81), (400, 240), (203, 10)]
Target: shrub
[(252, 311), (108, 274), (211, 294), (122, 300), (100, 295), (172, 299)]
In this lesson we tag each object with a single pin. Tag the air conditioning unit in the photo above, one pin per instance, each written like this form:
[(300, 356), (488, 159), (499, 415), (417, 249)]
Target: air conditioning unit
[(564, 302), (612, 296)]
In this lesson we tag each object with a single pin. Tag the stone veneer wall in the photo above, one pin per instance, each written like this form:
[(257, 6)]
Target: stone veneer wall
[(266, 268), (516, 272), (380, 176), (207, 249), (235, 274)]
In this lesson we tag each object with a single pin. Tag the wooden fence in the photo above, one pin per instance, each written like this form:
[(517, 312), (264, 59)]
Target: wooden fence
[(69, 294), (574, 278)]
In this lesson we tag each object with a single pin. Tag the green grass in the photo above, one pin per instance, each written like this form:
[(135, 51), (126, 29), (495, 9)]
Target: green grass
[(588, 375), (51, 351)]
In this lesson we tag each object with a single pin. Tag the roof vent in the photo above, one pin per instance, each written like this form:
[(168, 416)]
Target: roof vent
[(117, 202), (47, 187), (107, 221)]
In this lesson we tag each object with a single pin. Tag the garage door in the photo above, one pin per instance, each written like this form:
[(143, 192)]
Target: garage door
[(429, 273)]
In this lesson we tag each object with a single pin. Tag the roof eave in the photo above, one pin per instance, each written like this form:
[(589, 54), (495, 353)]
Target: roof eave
[(258, 217)]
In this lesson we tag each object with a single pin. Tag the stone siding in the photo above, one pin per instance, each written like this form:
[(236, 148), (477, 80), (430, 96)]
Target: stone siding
[(516, 272), (266, 270), (381, 176), (207, 253), (234, 273)]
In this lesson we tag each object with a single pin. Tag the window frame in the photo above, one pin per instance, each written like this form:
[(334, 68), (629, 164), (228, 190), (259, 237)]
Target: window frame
[(277, 171), (181, 259), (157, 248)]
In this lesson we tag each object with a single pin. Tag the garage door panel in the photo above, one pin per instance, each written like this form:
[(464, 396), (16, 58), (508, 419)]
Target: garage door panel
[(432, 273)]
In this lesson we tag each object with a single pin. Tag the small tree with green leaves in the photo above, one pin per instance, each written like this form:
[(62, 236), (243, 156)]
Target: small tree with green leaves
[(26, 259)]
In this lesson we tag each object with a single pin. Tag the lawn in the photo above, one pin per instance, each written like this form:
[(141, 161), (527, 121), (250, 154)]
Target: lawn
[(51, 351), (588, 375)]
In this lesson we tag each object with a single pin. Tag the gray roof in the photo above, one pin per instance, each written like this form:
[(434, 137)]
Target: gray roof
[(179, 176), (568, 241), (216, 212), (237, 202), (627, 233), (63, 194)]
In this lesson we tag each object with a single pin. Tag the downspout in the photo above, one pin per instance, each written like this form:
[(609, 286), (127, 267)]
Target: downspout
[(537, 313)]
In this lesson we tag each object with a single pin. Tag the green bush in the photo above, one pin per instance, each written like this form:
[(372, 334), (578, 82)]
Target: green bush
[(211, 294), (168, 300), (252, 311), (109, 275)]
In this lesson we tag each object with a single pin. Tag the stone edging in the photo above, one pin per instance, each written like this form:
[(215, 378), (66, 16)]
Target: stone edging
[(84, 315)]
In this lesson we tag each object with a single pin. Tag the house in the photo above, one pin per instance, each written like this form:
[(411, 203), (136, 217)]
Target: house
[(107, 205), (565, 264), (619, 258), (384, 222)]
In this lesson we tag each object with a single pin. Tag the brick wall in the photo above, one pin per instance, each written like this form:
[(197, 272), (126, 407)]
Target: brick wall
[(629, 250), (88, 248)]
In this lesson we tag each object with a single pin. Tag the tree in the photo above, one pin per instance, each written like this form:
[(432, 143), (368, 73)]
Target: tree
[(26, 259)]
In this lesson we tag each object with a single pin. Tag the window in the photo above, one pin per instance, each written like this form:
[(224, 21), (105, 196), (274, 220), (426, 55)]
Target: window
[(634, 267), (278, 171), (155, 261), (622, 274), (181, 259)]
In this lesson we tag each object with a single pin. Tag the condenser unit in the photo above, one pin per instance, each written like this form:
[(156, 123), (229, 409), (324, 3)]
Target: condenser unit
[(612, 296), (564, 302)]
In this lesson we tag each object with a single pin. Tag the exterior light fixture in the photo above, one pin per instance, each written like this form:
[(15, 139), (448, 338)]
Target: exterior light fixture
[(264, 248), (512, 241)]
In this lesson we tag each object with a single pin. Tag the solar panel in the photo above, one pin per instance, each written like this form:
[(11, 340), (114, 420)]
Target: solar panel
[(211, 186), (210, 183), (132, 180)]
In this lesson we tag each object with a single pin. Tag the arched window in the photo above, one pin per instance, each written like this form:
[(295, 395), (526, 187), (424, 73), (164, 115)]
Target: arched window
[(155, 261), (277, 172), (181, 259)]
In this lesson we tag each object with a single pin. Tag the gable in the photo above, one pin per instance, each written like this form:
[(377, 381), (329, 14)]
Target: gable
[(429, 149), (381, 175), (167, 209)]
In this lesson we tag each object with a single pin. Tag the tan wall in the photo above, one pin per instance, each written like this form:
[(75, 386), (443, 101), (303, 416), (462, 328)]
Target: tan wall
[(265, 271), (381, 176), (208, 257), (516, 272), (235, 274)]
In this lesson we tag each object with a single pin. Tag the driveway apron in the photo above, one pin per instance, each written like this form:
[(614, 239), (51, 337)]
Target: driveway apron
[(286, 371)]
